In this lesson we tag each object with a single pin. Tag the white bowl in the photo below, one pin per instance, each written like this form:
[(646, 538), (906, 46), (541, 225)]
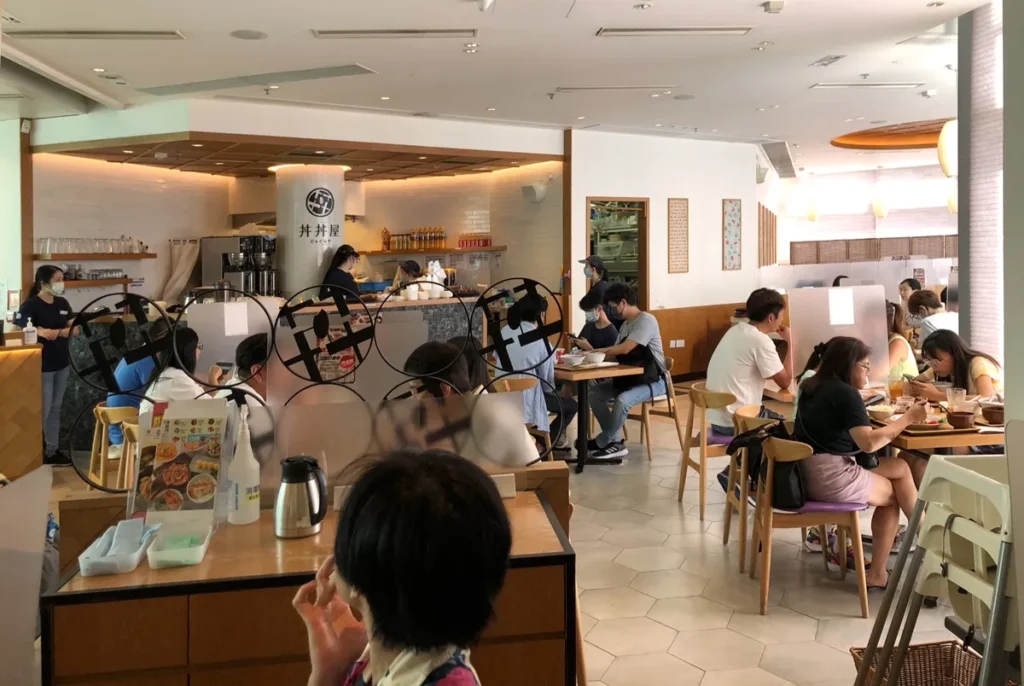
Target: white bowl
[(572, 360), (594, 357)]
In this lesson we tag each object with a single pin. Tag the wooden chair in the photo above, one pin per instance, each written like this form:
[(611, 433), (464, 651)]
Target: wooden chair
[(701, 400), (105, 416), (129, 451), (737, 493), (518, 385), (650, 407), (767, 518)]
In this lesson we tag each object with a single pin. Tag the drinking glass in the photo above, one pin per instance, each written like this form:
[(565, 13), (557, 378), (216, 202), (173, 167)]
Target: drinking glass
[(955, 397)]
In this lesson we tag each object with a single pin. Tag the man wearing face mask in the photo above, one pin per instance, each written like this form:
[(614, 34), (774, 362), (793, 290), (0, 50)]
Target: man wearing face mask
[(250, 370), (598, 332), (597, 283), (50, 314)]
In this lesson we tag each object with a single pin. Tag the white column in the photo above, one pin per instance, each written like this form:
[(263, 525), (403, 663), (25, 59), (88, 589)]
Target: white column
[(310, 223), (10, 210)]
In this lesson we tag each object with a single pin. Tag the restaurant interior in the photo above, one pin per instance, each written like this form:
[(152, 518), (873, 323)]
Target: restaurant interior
[(314, 198)]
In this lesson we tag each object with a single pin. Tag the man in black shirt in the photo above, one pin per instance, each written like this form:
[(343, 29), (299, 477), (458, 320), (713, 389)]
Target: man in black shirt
[(599, 330)]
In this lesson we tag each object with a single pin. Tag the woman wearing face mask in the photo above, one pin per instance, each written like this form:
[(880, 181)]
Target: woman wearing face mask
[(50, 315), (340, 273), (597, 282)]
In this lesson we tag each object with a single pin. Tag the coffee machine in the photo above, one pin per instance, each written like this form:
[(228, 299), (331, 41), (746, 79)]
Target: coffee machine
[(246, 262)]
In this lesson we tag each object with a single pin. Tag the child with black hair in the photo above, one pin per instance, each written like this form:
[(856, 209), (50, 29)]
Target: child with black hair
[(419, 557)]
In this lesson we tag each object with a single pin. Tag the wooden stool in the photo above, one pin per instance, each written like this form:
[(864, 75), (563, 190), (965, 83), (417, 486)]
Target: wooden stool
[(745, 419), (767, 518), (129, 451), (701, 400), (105, 416)]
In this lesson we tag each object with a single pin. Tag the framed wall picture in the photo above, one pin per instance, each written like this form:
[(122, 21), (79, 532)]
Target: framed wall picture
[(678, 235), (732, 234), (13, 300)]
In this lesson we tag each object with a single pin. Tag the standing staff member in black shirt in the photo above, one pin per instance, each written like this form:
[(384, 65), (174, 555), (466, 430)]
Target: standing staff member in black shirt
[(50, 315), (340, 273), (597, 278)]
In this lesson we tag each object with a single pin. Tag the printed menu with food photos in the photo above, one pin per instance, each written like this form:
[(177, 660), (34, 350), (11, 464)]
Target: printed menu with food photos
[(180, 460)]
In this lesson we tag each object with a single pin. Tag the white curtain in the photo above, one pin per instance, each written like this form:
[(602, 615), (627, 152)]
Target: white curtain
[(183, 260)]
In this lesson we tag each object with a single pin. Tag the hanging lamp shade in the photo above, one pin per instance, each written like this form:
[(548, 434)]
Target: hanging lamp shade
[(953, 200), (812, 212), (880, 206), (949, 148)]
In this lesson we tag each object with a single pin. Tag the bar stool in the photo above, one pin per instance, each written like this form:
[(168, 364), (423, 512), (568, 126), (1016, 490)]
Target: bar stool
[(702, 400), (105, 416), (129, 450), (737, 493)]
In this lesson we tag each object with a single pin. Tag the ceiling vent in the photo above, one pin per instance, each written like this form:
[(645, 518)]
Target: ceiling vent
[(27, 34), (827, 60), (11, 96), (664, 32), (590, 89), (779, 157), (895, 85), (261, 80), (396, 33), (9, 18)]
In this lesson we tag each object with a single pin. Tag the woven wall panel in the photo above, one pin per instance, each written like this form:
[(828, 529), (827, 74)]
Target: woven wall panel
[(893, 247), (952, 246), (863, 250), (930, 246), (803, 252), (830, 252)]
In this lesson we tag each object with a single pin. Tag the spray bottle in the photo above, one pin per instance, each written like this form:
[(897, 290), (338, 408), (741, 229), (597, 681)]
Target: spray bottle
[(244, 474)]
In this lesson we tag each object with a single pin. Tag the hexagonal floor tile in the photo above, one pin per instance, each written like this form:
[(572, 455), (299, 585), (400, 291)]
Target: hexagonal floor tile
[(588, 552), (677, 524), (689, 614), (743, 677), (717, 649), (581, 513), (621, 519), (586, 531), (713, 566), (597, 660), (638, 537), (650, 559), (614, 603), (644, 670), (661, 508), (633, 636), (586, 623), (778, 626), (740, 592), (668, 583), (712, 512), (808, 664), (832, 601), (605, 503), (603, 575)]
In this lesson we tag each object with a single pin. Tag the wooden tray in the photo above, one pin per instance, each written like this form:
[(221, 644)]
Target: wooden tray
[(984, 422), (584, 367), (931, 432)]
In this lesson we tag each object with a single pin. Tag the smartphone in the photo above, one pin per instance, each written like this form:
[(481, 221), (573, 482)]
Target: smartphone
[(227, 367)]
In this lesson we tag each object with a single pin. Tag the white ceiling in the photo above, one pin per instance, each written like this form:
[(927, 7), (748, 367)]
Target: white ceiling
[(528, 48)]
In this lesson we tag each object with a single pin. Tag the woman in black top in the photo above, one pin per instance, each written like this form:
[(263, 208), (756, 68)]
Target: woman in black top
[(340, 273), (50, 315), (831, 418)]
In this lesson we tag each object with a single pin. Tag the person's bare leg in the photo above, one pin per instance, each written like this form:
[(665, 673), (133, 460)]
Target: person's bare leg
[(884, 523), (917, 465), (898, 473)]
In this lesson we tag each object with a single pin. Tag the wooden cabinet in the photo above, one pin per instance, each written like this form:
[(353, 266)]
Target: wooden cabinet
[(521, 662), (245, 625), (132, 680), (285, 674)]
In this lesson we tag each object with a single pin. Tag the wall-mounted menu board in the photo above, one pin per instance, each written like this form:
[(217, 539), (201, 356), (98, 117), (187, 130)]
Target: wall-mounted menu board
[(678, 235), (871, 249), (732, 234)]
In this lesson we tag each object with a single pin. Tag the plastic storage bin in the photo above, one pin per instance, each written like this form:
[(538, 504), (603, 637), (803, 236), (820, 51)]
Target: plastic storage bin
[(94, 561), (159, 555)]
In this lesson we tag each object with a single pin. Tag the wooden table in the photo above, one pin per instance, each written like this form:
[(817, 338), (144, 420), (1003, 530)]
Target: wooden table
[(936, 439), (582, 377), (229, 620)]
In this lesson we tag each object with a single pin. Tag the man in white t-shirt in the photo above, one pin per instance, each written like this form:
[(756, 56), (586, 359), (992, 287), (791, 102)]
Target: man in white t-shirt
[(746, 358), (926, 304)]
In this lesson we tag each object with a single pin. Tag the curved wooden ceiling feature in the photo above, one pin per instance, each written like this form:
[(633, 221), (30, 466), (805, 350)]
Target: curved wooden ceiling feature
[(915, 135)]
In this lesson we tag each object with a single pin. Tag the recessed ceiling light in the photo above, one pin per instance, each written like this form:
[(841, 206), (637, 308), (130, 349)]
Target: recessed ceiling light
[(318, 152), (930, 93), (197, 145), (757, 48), (248, 34), (775, 107), (935, 4), (491, 109), (369, 169), (515, 164), (128, 152), (385, 97), (98, 70), (764, 135), (657, 126), (469, 51), (860, 118), (581, 118), (761, 109), (766, 43), (848, 120), (666, 92), (423, 158), (643, 6), (219, 164), (273, 88), (796, 145), (655, 95), (472, 45), (714, 130)]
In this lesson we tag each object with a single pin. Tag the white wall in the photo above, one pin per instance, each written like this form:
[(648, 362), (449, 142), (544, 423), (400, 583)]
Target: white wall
[(627, 165), (10, 209), (480, 202), (75, 197), (916, 197)]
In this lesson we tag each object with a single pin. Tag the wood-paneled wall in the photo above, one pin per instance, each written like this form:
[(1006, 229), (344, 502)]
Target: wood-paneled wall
[(767, 237), (21, 410), (871, 249), (701, 328)]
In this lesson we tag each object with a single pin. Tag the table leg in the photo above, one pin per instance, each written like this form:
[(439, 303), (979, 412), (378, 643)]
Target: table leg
[(582, 425)]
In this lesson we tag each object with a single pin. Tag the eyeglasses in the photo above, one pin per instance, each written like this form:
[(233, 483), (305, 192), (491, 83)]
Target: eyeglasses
[(865, 366), (932, 361)]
